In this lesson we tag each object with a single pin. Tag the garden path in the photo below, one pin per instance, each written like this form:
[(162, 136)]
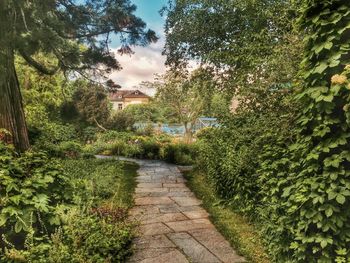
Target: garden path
[(174, 228)]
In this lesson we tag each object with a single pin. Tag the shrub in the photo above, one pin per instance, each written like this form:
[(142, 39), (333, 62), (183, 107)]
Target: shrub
[(179, 153), (228, 155), (32, 187), (88, 238), (70, 149), (150, 147), (121, 121)]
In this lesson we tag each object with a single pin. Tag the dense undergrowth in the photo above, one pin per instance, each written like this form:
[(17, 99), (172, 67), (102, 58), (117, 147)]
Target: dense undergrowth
[(64, 210)]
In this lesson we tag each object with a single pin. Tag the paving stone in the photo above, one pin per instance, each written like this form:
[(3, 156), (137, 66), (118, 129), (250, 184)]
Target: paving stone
[(143, 177), (173, 208), (151, 253), (154, 229), (181, 194), (216, 244), (186, 201), (144, 209), (173, 227), (176, 185), (179, 189), (159, 194), (149, 185), (170, 256), (137, 195), (190, 208), (158, 241), (186, 225), (156, 218), (181, 180), (196, 214), (193, 249), (153, 200), (151, 190)]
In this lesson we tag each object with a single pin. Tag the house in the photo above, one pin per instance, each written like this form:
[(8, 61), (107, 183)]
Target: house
[(122, 98)]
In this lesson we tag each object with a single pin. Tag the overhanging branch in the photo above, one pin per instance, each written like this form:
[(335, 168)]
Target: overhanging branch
[(41, 68)]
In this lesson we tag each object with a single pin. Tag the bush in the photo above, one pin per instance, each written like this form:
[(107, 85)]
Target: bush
[(150, 147), (89, 238), (32, 187), (121, 121), (179, 153), (229, 157)]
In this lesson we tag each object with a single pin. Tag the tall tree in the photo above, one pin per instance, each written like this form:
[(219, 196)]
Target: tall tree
[(251, 53), (92, 104), (182, 94), (75, 33)]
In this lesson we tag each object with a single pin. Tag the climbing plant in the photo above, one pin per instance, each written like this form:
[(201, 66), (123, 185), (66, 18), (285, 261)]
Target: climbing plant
[(310, 201)]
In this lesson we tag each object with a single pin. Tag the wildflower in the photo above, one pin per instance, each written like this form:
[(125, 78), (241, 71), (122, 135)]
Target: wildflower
[(338, 79)]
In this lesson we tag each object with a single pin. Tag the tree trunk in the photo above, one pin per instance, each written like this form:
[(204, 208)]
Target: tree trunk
[(188, 133), (12, 116)]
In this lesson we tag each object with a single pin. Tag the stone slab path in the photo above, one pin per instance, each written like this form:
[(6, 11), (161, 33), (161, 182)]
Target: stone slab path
[(174, 228)]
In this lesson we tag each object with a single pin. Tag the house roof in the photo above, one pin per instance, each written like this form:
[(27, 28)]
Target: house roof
[(119, 95)]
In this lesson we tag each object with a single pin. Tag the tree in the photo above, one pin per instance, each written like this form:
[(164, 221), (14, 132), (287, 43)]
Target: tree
[(92, 104), (75, 34), (181, 94), (251, 54), (150, 112)]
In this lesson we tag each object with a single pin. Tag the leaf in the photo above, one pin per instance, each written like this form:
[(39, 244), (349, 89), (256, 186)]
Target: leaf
[(329, 211), (320, 68), (328, 45), (3, 219), (340, 199), (18, 226), (328, 98), (323, 243)]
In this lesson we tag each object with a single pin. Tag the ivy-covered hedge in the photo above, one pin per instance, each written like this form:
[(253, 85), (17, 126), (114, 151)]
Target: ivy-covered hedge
[(295, 179)]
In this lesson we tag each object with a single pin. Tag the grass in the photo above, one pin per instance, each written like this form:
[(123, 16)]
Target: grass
[(105, 181), (127, 184), (237, 229)]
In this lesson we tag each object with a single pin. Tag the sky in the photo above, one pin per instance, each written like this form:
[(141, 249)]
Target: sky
[(146, 61)]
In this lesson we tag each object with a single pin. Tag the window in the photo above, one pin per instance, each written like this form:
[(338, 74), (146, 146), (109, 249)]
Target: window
[(120, 96), (120, 106), (137, 92)]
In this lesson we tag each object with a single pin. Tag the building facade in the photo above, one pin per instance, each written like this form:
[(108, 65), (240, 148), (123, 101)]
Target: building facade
[(122, 98)]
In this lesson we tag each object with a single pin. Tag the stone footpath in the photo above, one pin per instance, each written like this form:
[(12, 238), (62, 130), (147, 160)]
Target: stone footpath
[(174, 228)]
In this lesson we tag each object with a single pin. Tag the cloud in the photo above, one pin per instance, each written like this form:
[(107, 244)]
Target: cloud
[(140, 66)]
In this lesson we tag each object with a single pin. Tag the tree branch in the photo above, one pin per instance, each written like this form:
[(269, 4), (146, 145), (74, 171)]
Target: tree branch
[(99, 125), (41, 68)]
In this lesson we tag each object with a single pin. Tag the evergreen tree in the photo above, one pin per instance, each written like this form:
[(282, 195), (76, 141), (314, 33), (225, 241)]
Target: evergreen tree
[(74, 34)]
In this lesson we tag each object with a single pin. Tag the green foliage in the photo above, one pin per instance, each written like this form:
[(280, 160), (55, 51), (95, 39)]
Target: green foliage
[(73, 40), (92, 103), (148, 112), (291, 174), (91, 229), (179, 153), (32, 187), (159, 146), (121, 121), (92, 239), (313, 190)]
